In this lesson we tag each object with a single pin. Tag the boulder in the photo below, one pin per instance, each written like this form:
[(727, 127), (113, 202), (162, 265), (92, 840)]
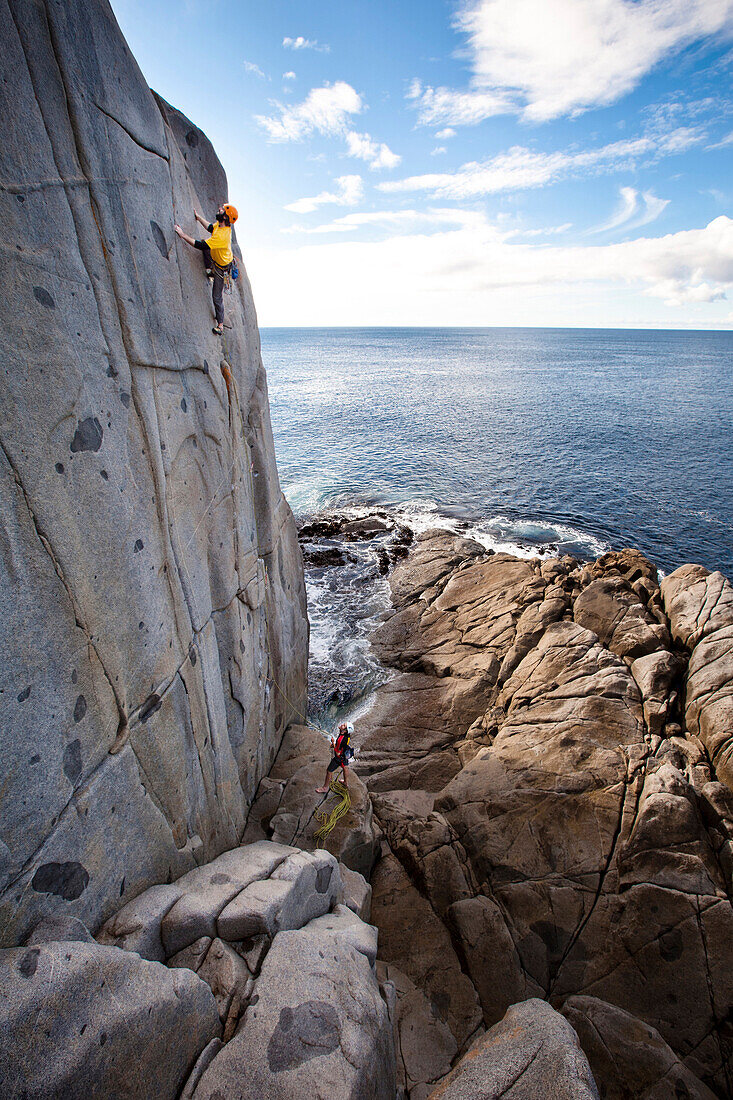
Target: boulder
[(316, 1025), (629, 1058), (532, 1053), (700, 609), (87, 1022)]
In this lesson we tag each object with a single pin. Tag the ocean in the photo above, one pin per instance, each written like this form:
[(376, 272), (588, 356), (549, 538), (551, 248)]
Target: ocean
[(534, 441)]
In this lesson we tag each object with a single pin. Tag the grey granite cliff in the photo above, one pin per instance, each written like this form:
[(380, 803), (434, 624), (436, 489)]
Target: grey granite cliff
[(152, 607)]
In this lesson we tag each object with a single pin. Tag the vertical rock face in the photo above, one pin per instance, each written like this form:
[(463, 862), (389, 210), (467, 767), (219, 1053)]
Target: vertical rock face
[(151, 603)]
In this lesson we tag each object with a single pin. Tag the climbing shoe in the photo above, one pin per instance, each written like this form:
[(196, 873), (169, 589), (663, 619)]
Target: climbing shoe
[(218, 330)]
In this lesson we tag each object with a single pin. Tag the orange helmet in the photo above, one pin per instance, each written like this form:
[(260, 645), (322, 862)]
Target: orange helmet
[(231, 212)]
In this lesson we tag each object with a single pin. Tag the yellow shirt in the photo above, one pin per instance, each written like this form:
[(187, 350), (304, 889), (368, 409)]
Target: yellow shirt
[(220, 243)]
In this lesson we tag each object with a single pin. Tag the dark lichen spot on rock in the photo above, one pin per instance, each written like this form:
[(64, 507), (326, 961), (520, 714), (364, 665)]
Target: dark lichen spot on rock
[(80, 708), (88, 435), (41, 295), (671, 945), (72, 761), (138, 546), (59, 467), (184, 406), (323, 879), (159, 238), (151, 704), (29, 963), (74, 676), (35, 759), (310, 1030), (241, 646), (66, 880), (206, 366), (192, 139), (24, 694), (103, 1038), (20, 198), (125, 399), (104, 475), (111, 372), (219, 879), (192, 655)]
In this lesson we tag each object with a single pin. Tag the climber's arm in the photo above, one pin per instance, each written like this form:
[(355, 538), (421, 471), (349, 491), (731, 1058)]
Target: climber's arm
[(184, 236)]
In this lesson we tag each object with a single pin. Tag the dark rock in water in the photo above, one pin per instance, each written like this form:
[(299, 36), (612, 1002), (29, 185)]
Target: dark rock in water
[(105, 169), (320, 529), (365, 528), (326, 557)]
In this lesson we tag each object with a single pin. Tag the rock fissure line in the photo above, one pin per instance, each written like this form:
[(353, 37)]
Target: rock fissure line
[(131, 136)]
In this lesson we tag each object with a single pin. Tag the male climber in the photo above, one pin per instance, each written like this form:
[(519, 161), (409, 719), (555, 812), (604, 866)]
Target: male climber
[(342, 753), (217, 252)]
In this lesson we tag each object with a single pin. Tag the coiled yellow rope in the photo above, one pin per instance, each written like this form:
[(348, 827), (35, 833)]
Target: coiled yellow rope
[(330, 820)]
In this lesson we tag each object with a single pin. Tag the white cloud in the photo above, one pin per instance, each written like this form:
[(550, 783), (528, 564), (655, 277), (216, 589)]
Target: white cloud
[(521, 168), (635, 209), (443, 135), (548, 58), (402, 219), (255, 69), (325, 110), (471, 273), (350, 192), (289, 76), (328, 110), (375, 153), (438, 151), (301, 43)]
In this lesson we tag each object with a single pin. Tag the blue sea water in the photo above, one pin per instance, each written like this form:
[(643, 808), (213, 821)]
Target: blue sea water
[(541, 440)]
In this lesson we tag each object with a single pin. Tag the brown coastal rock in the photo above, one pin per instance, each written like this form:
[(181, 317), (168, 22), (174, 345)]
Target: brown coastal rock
[(583, 845), (700, 609)]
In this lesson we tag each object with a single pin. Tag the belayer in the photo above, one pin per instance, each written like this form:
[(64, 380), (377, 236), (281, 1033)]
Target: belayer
[(342, 754), (217, 253)]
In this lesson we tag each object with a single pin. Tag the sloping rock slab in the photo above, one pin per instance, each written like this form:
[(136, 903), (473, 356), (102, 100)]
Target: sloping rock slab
[(533, 1054), (628, 1057), (86, 1022)]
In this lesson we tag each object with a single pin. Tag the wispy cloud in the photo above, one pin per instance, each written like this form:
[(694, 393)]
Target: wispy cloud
[(443, 135), (250, 67), (375, 153), (325, 110), (547, 58), (350, 192), (635, 209), (412, 220), (328, 110), (520, 168), (459, 108), (301, 43), (289, 76), (438, 151)]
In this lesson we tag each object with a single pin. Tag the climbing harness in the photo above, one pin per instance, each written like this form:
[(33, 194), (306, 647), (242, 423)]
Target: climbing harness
[(329, 821)]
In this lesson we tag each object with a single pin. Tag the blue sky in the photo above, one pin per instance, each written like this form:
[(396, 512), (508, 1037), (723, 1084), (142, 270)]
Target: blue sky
[(477, 162)]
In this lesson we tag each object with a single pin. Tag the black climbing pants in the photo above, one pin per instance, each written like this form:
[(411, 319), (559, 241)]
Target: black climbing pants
[(217, 288)]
